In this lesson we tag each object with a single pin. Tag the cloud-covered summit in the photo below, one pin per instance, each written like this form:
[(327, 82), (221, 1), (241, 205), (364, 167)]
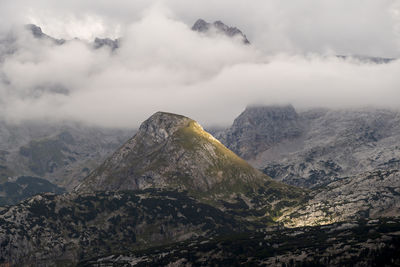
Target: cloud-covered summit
[(161, 64)]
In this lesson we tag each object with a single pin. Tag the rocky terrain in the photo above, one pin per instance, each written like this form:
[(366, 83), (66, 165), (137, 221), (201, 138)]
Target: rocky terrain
[(50, 230), (173, 194), (186, 184), (314, 147), (258, 129), (62, 153), (368, 195), (356, 243)]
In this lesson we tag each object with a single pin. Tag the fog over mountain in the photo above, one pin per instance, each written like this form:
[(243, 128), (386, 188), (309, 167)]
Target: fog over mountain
[(161, 64)]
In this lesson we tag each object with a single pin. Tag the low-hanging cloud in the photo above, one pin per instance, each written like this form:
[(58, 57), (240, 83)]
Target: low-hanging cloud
[(163, 65)]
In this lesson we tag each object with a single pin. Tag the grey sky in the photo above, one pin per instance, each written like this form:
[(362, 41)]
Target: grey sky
[(163, 65)]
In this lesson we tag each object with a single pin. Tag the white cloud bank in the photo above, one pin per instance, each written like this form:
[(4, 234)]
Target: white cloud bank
[(163, 65)]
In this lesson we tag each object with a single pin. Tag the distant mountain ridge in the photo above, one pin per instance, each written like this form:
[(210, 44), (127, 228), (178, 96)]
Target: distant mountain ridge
[(38, 33), (63, 153), (113, 44), (350, 158), (200, 26), (97, 43), (314, 146), (368, 59)]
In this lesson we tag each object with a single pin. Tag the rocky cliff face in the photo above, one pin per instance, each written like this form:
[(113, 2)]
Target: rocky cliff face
[(259, 128), (313, 147), (219, 27)]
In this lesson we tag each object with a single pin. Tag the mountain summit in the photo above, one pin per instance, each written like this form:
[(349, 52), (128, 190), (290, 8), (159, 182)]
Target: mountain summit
[(173, 151), (218, 26), (260, 127)]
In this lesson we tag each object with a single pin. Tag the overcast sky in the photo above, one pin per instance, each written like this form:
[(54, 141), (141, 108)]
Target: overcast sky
[(163, 65)]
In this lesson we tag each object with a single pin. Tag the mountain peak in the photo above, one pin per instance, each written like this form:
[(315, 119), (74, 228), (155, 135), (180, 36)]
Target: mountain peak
[(172, 151), (36, 30), (161, 125), (260, 127), (272, 110), (107, 42), (202, 26)]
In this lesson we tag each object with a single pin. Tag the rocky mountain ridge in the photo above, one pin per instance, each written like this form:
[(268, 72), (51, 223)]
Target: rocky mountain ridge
[(39, 34), (315, 146), (113, 44)]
